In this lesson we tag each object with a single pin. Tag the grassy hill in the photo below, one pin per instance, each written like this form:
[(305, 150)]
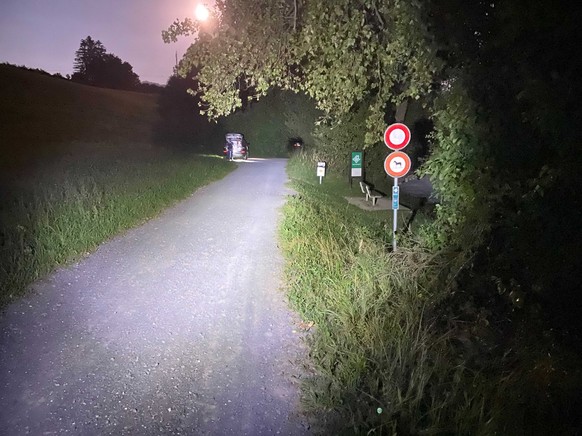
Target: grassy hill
[(78, 165), (41, 115)]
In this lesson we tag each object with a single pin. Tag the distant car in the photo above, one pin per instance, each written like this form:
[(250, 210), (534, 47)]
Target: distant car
[(235, 147)]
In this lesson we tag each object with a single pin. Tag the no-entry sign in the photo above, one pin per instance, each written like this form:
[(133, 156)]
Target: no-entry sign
[(397, 164), (397, 136)]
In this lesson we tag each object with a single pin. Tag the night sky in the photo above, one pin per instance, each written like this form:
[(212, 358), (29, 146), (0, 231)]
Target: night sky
[(46, 33)]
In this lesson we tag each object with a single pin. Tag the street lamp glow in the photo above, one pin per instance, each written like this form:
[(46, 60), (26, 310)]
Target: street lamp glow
[(201, 12)]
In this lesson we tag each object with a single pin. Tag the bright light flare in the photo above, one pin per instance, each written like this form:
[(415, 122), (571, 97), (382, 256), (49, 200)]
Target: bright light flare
[(202, 13)]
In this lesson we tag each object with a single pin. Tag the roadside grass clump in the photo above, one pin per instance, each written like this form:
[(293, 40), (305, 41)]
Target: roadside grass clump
[(61, 210), (380, 365)]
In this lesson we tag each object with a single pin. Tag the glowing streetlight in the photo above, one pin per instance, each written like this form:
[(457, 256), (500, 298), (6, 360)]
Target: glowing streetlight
[(202, 13)]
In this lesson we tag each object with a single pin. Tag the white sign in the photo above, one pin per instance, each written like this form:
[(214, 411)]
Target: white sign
[(357, 162), (320, 169), (397, 164), (397, 136)]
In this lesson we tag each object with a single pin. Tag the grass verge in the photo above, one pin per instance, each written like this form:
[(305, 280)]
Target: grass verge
[(397, 347), (64, 209), (375, 359)]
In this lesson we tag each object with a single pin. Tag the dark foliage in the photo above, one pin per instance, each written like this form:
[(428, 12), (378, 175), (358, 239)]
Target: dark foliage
[(523, 66), (37, 70), (150, 88), (520, 63), (94, 66), (181, 124)]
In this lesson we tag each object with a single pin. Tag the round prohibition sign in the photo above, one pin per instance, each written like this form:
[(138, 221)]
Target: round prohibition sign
[(397, 136), (397, 164)]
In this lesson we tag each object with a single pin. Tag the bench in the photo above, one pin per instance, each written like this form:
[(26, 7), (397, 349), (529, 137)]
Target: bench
[(370, 193), (363, 188)]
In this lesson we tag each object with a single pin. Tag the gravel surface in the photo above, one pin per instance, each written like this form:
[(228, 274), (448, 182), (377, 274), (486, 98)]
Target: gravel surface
[(176, 327)]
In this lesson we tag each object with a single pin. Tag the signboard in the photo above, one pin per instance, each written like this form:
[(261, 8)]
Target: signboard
[(395, 197), (357, 162), (320, 171), (397, 136), (397, 164)]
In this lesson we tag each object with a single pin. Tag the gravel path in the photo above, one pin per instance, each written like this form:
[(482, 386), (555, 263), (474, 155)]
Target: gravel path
[(177, 327)]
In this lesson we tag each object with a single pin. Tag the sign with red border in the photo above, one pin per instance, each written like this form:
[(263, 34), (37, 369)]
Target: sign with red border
[(397, 164), (397, 136)]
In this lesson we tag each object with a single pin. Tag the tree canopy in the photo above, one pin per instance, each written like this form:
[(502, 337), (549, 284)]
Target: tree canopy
[(339, 53), (477, 67)]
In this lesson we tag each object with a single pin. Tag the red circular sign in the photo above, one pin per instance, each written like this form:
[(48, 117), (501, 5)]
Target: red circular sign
[(397, 136), (397, 164)]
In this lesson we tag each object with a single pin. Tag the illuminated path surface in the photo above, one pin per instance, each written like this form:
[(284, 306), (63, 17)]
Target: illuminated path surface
[(176, 327)]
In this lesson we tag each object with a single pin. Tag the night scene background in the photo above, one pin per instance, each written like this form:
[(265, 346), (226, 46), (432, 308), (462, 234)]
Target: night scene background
[(111, 112)]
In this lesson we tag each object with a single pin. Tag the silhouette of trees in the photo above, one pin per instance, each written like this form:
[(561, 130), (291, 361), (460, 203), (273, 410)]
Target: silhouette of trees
[(94, 66), (180, 121), (90, 53)]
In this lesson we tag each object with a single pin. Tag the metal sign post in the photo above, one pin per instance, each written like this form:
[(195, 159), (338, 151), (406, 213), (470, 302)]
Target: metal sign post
[(395, 206), (397, 164)]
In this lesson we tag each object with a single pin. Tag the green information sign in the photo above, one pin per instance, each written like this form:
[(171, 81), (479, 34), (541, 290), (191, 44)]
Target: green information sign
[(357, 162)]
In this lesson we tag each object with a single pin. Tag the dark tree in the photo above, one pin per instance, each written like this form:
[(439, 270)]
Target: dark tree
[(180, 122), (94, 66), (150, 88), (112, 72), (90, 53)]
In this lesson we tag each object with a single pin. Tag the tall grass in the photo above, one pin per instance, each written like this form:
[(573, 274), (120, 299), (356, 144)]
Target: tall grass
[(380, 365), (63, 209)]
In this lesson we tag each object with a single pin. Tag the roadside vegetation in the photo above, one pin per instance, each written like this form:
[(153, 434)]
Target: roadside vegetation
[(78, 167), (473, 326), (397, 345), (269, 123)]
